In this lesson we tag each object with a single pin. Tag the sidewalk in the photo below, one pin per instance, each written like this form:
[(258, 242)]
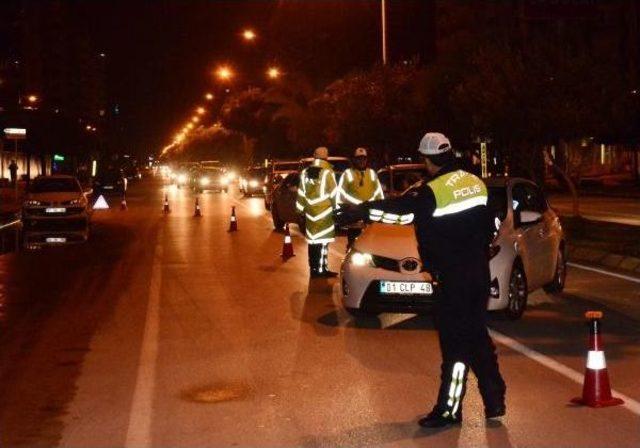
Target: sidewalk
[(609, 245)]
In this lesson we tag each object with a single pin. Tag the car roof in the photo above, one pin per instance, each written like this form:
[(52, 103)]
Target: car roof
[(405, 166), (503, 181), (56, 176), (330, 158)]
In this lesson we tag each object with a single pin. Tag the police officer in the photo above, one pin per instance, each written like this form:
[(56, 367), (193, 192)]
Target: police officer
[(452, 225), (357, 185), (316, 200)]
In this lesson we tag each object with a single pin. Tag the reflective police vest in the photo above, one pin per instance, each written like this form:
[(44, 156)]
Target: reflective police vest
[(456, 192), (316, 196), (358, 186)]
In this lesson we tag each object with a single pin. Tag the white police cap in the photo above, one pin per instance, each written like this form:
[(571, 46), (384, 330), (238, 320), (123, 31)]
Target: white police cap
[(434, 143)]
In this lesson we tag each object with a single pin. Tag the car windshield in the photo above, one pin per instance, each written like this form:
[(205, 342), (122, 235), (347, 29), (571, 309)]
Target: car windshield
[(403, 179), (258, 173), (287, 166), (109, 175), (339, 166), (55, 185), (497, 202)]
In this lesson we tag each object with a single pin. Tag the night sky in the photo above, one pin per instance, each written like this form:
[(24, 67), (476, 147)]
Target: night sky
[(161, 53)]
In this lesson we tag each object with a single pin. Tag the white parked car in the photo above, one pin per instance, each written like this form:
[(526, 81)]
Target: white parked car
[(383, 272), (55, 211)]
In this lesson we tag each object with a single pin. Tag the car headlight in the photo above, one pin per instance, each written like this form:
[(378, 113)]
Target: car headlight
[(253, 183), (231, 175), (204, 181), (75, 201), (32, 203), (182, 178), (224, 180), (361, 259)]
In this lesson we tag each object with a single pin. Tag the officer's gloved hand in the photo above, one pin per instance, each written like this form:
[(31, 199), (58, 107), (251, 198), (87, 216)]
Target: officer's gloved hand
[(348, 214)]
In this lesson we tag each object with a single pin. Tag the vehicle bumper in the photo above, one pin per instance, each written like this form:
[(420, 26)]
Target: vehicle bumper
[(361, 286)]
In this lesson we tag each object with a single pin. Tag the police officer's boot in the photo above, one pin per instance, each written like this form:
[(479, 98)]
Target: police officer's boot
[(439, 419)]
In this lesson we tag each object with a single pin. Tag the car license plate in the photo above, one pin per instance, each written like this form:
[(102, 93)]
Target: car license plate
[(409, 288), (55, 210), (56, 240)]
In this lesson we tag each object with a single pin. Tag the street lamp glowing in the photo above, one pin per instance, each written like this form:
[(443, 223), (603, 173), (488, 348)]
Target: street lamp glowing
[(224, 73), (273, 73), (32, 98), (195, 119), (248, 35), (201, 110), (208, 96)]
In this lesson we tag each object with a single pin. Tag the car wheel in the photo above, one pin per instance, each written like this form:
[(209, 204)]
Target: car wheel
[(278, 223), (517, 293), (560, 275)]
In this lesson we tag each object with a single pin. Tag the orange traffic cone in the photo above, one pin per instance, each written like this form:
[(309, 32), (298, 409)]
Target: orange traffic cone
[(197, 213), (123, 202), (596, 390), (287, 246), (233, 224), (165, 207)]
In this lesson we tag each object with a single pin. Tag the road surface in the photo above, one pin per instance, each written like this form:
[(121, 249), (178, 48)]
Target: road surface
[(170, 331)]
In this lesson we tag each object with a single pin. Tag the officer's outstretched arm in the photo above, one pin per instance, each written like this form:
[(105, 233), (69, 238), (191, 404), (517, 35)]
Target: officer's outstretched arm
[(401, 210)]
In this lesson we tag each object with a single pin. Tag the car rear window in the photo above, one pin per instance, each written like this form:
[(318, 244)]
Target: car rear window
[(55, 186)]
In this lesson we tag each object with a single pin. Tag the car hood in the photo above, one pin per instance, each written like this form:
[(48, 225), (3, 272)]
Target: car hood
[(388, 240), (54, 196)]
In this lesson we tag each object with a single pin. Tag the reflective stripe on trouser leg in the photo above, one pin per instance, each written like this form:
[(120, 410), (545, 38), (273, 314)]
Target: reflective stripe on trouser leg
[(321, 258), (455, 389), (325, 256)]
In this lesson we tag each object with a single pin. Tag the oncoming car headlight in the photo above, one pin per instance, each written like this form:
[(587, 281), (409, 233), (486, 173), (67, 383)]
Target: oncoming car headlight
[(204, 181), (361, 259), (224, 180), (253, 183), (182, 178)]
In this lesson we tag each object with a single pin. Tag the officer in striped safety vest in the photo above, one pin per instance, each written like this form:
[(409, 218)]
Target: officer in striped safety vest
[(357, 185), (316, 200), (452, 227)]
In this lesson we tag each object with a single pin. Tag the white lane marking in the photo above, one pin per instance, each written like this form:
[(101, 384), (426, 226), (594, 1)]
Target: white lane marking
[(575, 376), (139, 429), (604, 272)]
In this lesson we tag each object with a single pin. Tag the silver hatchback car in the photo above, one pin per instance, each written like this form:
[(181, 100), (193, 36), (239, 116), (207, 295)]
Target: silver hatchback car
[(527, 253)]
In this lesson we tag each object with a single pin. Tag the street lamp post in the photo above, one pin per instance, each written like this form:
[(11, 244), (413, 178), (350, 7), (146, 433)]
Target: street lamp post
[(383, 18)]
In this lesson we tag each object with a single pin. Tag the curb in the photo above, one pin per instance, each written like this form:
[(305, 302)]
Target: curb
[(604, 259)]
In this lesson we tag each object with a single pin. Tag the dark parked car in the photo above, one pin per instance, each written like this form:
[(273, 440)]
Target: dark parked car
[(110, 181)]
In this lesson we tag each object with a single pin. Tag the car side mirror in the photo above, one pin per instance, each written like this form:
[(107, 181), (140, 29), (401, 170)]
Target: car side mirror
[(528, 217)]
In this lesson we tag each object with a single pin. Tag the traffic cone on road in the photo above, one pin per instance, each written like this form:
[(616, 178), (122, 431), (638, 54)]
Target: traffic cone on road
[(233, 224), (596, 390), (197, 213), (165, 207), (123, 202), (287, 246)]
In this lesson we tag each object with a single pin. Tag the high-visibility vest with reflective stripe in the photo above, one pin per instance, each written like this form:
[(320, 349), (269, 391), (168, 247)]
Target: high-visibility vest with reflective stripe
[(456, 192), (316, 199), (356, 187)]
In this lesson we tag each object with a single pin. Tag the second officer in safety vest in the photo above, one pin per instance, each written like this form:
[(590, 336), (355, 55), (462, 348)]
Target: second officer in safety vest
[(358, 184), (316, 200), (452, 228)]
